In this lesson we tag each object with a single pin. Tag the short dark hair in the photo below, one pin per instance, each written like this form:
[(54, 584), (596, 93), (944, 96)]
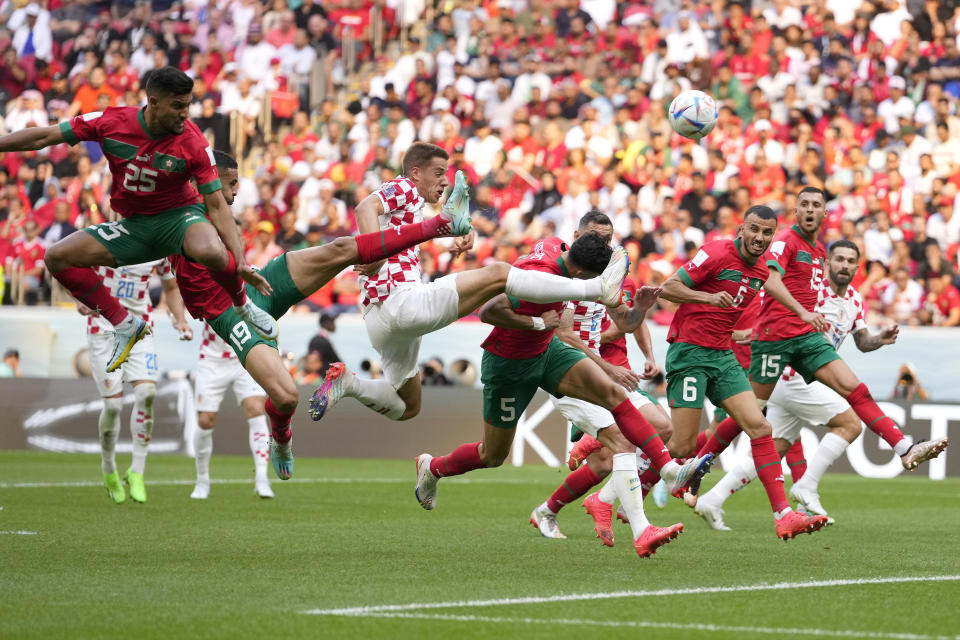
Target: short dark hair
[(420, 153), (761, 211), (224, 161), (169, 81), (594, 216), (843, 244), (591, 252), (812, 190)]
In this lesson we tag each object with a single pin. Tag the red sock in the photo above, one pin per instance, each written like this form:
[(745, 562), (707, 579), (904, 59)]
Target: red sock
[(796, 461), (87, 287), (647, 479), (464, 458), (726, 431), (864, 406), (383, 244), (641, 433), (767, 461), (701, 440), (231, 282), (279, 422), (574, 485)]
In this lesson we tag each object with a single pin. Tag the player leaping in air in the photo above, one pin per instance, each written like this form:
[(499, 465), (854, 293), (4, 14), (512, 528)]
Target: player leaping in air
[(788, 333), (398, 309), (522, 354), (713, 289), (795, 404), (153, 152), (296, 275)]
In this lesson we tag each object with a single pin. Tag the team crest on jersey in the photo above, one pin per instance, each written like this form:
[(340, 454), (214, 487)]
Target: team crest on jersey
[(388, 190)]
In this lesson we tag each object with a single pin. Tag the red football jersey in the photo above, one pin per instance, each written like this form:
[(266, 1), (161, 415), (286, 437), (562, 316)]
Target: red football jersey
[(718, 266), (747, 321), (801, 264), (29, 253), (519, 344), (615, 351), (150, 175), (202, 296)]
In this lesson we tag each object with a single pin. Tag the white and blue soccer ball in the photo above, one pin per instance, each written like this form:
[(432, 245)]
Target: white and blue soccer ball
[(693, 114)]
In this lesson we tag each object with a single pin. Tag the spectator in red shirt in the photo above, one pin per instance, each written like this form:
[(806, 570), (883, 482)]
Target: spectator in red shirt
[(26, 257), (942, 308), (284, 32), (301, 136)]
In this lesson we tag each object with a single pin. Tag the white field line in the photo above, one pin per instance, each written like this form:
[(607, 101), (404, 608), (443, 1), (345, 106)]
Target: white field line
[(171, 483), (678, 626), (573, 597), (18, 533)]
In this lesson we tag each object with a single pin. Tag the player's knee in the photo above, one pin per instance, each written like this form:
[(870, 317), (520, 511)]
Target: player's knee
[(682, 448), (206, 420), (145, 394), (285, 400), (56, 259), (614, 395), (412, 409), (112, 406), (760, 429), (850, 427)]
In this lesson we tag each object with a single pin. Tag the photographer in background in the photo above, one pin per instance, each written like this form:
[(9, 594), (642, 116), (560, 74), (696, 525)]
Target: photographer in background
[(908, 385)]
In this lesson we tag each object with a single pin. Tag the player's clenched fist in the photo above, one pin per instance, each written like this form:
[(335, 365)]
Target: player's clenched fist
[(721, 299)]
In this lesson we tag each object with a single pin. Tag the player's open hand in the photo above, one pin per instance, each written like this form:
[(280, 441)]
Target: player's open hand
[(646, 297), (742, 336), (624, 377), (551, 320), (721, 299), (815, 320), (889, 335), (252, 276), (370, 270), (85, 310), (462, 244)]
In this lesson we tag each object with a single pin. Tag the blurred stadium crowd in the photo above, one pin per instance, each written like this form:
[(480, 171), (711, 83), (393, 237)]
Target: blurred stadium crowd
[(549, 107)]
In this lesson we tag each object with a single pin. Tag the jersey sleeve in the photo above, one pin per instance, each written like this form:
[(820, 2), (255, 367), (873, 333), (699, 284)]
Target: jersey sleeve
[(394, 195), (203, 168), (85, 126), (165, 270), (703, 266), (860, 320), (779, 255)]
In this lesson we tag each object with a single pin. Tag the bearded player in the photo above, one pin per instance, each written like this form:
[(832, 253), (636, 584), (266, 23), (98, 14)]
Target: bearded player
[(522, 355), (589, 322), (788, 332), (130, 285), (795, 404), (154, 152), (398, 309), (713, 289)]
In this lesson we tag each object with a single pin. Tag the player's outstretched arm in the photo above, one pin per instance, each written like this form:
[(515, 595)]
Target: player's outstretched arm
[(499, 312), (176, 309), (675, 290), (629, 319), (778, 291), (645, 342), (222, 220), (867, 341), (31, 139), (621, 375)]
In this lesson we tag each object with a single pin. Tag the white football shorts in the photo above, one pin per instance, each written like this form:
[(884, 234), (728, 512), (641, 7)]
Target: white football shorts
[(795, 405), (396, 325), (215, 376), (591, 418), (141, 364)]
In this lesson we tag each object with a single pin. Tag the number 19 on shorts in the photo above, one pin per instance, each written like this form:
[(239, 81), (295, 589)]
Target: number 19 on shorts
[(240, 334)]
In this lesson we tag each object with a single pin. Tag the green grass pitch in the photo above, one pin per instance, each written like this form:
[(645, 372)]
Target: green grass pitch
[(350, 535)]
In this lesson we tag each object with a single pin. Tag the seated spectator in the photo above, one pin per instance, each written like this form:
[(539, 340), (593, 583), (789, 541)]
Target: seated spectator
[(902, 298), (321, 343), (942, 305), (288, 237), (26, 261), (60, 228), (264, 249), (310, 371)]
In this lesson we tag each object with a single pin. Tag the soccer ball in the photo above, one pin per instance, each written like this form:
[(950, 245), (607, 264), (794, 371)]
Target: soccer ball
[(693, 114)]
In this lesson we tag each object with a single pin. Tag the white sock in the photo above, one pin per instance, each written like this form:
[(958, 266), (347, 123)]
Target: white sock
[(259, 444), (141, 424), (379, 395), (126, 324), (607, 493), (539, 287), (109, 427), (903, 446), (627, 485), (742, 474), (203, 447), (829, 450)]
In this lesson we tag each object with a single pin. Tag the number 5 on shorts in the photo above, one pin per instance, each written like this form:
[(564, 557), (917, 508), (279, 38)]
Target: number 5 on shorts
[(507, 413)]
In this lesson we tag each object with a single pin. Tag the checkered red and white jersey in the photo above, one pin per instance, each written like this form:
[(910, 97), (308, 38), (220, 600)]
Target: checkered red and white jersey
[(587, 321), (845, 315), (402, 204), (212, 346), (129, 286)]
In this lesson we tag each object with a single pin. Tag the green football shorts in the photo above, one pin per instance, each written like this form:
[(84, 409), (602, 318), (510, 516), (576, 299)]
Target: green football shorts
[(509, 385), (140, 239), (695, 373), (805, 354)]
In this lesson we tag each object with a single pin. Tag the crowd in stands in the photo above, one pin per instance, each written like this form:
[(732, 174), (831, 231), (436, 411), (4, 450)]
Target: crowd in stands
[(549, 106)]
